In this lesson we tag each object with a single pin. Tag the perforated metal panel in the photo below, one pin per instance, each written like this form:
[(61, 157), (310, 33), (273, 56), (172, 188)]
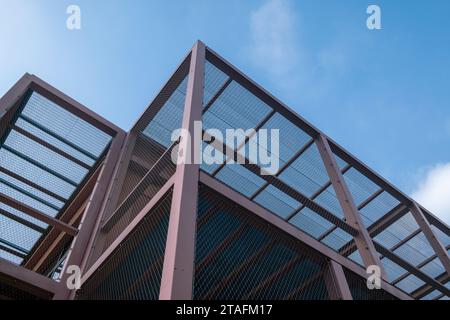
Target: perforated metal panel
[(133, 270), (238, 256), (359, 290)]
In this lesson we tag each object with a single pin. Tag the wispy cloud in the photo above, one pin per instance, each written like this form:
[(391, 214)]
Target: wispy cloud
[(433, 191), (274, 44), (278, 47)]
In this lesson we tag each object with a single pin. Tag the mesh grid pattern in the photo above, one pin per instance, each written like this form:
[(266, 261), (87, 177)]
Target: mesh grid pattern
[(45, 155), (359, 290), (13, 289), (133, 270), (240, 257), (142, 193)]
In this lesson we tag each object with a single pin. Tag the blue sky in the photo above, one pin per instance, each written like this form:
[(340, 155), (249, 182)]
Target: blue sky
[(383, 94)]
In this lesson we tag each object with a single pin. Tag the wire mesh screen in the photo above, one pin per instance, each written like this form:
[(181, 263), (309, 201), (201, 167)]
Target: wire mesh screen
[(157, 175), (133, 270), (359, 290), (238, 256), (13, 289)]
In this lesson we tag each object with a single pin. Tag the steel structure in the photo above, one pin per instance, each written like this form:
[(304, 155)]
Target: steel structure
[(75, 190)]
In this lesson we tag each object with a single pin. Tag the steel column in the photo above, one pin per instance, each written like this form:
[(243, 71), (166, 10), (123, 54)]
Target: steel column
[(362, 238), (79, 249), (178, 267), (291, 230), (115, 187), (425, 226), (336, 281), (27, 276), (38, 215)]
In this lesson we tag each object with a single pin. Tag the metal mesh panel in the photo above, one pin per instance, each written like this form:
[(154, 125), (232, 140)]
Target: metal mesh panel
[(46, 154), (240, 179), (359, 290), (14, 289), (155, 178), (145, 154), (277, 201), (63, 123), (238, 256), (214, 80), (133, 270), (307, 174), (410, 283), (310, 222), (377, 208)]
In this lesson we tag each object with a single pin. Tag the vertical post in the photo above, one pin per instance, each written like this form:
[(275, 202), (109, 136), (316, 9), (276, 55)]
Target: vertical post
[(79, 249), (336, 282), (10, 102), (425, 227), (362, 238), (115, 187), (178, 267)]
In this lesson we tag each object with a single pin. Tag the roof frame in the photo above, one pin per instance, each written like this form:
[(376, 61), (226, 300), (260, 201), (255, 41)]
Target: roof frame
[(11, 105)]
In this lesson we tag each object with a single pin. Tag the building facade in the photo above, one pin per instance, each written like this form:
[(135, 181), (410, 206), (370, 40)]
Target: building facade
[(78, 194)]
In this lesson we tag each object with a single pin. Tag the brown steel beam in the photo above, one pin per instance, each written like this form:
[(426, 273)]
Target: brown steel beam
[(20, 273), (79, 250), (291, 230), (74, 107), (378, 226), (127, 231), (32, 184), (411, 269), (49, 146), (386, 220), (433, 240), (360, 206), (386, 185), (336, 281), (22, 221), (426, 289), (178, 268), (38, 215), (65, 217), (362, 238)]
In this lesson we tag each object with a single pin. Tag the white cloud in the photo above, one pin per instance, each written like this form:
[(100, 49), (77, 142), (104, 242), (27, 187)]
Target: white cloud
[(277, 46), (273, 38), (433, 192)]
